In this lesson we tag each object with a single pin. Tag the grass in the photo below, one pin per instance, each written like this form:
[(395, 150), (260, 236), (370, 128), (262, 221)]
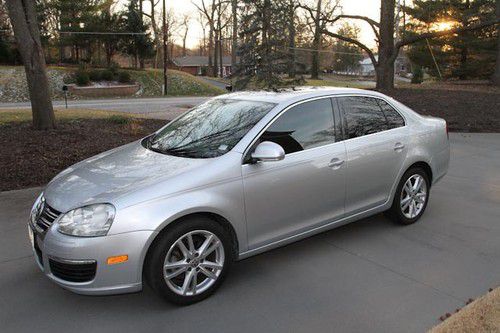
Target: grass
[(179, 83), (482, 315), (23, 115)]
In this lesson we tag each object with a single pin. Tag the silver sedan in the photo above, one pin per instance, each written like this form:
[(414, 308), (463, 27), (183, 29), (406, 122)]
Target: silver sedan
[(236, 176)]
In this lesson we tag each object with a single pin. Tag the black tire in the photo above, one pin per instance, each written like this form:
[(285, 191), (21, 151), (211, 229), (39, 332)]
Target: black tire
[(395, 213), (154, 263)]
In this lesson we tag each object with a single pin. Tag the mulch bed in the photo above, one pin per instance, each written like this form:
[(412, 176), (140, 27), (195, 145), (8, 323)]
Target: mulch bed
[(465, 111), (31, 158)]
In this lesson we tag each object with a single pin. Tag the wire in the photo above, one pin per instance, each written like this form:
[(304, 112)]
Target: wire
[(101, 33)]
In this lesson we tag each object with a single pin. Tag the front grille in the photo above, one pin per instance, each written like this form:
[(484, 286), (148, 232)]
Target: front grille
[(47, 217), (73, 272)]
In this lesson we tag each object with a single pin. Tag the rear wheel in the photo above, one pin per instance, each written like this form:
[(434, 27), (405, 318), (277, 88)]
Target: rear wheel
[(189, 261), (412, 195)]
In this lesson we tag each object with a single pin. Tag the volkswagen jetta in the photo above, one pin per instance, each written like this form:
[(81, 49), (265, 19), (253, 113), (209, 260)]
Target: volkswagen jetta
[(233, 177)]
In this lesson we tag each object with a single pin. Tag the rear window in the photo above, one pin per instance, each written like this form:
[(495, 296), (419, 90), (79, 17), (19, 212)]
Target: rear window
[(394, 119)]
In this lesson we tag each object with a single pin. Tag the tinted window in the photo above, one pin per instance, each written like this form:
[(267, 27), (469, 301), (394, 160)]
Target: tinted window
[(210, 129), (394, 119), (363, 116), (304, 126)]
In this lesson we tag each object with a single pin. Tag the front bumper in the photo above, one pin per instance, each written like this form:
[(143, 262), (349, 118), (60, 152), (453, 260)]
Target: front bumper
[(120, 278)]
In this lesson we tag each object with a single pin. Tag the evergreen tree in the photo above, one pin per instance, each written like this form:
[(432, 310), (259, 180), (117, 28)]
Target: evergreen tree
[(138, 45), (263, 48), (76, 17), (469, 54), (346, 56)]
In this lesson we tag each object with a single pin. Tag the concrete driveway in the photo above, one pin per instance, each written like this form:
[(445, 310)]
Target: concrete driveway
[(369, 276)]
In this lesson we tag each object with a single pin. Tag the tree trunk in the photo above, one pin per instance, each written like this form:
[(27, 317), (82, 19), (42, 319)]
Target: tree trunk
[(23, 19), (463, 63), (496, 75), (156, 37), (387, 52), (221, 55), (215, 67), (210, 48), (291, 40), (141, 58), (316, 43), (385, 75), (234, 46)]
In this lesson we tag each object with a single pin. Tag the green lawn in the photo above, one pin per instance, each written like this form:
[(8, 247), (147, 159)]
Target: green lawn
[(179, 83), (23, 115)]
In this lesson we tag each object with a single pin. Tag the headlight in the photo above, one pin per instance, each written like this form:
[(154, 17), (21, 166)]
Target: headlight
[(37, 208), (88, 221)]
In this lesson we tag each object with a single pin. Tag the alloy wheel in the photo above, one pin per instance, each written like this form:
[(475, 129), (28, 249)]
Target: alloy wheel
[(413, 196), (193, 263)]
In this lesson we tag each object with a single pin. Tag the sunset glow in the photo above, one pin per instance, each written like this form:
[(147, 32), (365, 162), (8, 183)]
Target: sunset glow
[(443, 25)]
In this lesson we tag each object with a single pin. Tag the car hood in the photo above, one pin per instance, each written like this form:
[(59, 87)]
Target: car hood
[(110, 175)]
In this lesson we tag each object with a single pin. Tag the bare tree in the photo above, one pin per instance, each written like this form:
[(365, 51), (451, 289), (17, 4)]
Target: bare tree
[(319, 17), (209, 13), (203, 42), (24, 23), (388, 48), (234, 44), (156, 30), (185, 25)]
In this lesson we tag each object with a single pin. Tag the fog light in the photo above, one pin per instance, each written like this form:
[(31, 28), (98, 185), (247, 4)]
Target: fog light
[(117, 259)]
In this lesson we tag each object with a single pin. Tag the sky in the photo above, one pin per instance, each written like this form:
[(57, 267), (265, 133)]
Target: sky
[(370, 8)]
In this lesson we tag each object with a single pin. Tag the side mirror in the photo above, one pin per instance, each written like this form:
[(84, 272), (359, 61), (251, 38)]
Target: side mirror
[(268, 152)]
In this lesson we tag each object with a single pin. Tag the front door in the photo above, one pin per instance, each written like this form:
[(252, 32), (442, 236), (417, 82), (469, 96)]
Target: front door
[(305, 189)]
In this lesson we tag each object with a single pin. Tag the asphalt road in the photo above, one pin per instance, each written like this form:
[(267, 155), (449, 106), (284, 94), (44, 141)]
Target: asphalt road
[(157, 107), (369, 276)]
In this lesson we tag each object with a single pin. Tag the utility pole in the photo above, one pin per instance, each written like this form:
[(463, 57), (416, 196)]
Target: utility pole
[(164, 48)]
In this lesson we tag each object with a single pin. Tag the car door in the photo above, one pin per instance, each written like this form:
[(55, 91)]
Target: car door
[(306, 188), (376, 145)]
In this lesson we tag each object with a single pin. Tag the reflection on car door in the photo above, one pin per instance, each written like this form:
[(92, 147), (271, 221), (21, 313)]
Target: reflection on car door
[(304, 190), (376, 145)]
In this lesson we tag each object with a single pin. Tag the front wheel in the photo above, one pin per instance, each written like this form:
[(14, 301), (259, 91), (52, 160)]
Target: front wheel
[(189, 261), (411, 197)]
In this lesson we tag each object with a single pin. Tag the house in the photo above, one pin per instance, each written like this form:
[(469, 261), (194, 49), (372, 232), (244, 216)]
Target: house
[(198, 65), (401, 65), (366, 67)]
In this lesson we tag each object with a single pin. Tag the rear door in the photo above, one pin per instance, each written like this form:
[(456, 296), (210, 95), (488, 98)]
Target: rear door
[(376, 145), (306, 188)]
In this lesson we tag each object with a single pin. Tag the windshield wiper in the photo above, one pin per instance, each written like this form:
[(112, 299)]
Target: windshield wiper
[(208, 137)]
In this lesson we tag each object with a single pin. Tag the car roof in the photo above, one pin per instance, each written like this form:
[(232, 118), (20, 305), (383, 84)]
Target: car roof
[(291, 95)]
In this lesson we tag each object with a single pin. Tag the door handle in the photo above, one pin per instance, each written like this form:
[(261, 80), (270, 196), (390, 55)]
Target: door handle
[(399, 146), (335, 163)]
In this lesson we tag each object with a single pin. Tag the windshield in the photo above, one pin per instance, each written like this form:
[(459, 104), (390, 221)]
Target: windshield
[(210, 129)]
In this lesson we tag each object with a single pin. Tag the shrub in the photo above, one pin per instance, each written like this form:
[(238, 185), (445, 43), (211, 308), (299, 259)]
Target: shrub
[(107, 75), (95, 75), (418, 75), (124, 77), (114, 67), (82, 77), (117, 119)]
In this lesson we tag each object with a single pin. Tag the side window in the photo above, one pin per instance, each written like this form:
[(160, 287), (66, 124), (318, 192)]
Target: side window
[(394, 119), (363, 116), (304, 126)]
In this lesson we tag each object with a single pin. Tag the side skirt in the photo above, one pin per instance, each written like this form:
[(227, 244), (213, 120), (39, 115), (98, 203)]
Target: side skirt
[(305, 234)]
